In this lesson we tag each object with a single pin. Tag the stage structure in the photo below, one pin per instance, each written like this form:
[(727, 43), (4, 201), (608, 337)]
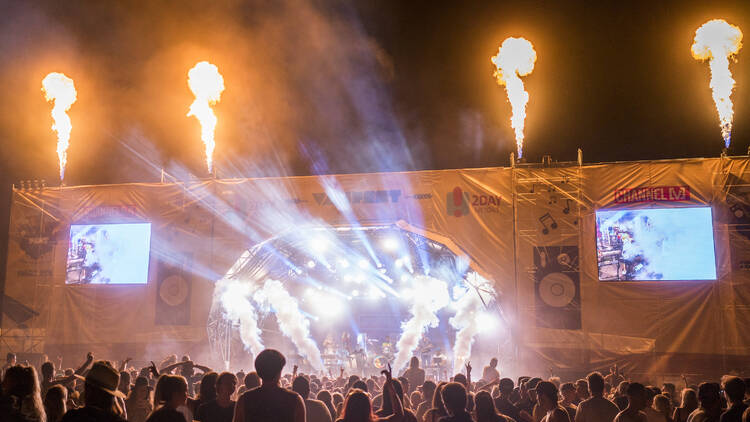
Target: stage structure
[(573, 267)]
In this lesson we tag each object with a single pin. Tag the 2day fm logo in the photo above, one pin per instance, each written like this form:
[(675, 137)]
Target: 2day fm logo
[(458, 202)]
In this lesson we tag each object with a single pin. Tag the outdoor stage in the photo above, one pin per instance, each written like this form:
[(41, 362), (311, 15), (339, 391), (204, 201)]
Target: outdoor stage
[(566, 267)]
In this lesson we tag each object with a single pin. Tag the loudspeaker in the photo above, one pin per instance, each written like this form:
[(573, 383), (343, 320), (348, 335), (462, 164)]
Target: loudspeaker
[(173, 293), (557, 287)]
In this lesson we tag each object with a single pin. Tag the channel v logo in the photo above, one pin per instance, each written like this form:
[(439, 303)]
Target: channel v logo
[(457, 202)]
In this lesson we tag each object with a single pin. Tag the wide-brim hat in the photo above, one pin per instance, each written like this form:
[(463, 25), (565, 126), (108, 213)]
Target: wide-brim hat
[(104, 377)]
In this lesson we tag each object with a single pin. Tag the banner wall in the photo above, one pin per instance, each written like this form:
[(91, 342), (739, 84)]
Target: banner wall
[(532, 231)]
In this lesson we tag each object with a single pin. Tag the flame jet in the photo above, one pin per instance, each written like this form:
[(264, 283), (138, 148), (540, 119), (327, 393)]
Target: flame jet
[(207, 85), (718, 41), (60, 90), (515, 58)]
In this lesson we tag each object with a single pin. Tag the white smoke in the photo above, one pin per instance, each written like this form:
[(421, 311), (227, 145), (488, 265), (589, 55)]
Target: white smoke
[(235, 298), (430, 296), (465, 322), (291, 320)]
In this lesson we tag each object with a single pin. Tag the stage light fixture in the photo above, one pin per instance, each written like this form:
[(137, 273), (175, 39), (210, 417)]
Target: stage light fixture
[(311, 264), (390, 244), (355, 293), (319, 244)]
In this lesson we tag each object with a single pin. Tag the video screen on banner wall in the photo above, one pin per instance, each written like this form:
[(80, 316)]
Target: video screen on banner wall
[(109, 254), (655, 244)]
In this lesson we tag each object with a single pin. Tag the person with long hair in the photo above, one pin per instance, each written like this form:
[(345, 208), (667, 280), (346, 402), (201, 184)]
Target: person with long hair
[(688, 404), (138, 403), (99, 391), (54, 403), (21, 399), (438, 407), (484, 409), (358, 408), (170, 394)]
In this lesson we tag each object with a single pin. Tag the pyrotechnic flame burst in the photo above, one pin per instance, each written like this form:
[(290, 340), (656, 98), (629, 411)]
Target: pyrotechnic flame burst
[(718, 41), (60, 90), (515, 58), (207, 84)]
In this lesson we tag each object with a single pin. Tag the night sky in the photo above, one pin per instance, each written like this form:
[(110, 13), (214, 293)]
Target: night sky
[(355, 86)]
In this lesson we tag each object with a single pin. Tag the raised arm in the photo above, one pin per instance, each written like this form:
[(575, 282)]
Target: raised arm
[(82, 368), (124, 364), (468, 376), (398, 407)]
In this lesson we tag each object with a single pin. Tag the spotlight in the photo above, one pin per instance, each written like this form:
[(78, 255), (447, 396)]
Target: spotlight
[(399, 263), (355, 293), (329, 306), (390, 244), (404, 277), (311, 264), (363, 264), (319, 244), (341, 262)]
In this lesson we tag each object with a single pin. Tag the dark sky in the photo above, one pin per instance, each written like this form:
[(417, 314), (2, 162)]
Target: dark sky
[(354, 86)]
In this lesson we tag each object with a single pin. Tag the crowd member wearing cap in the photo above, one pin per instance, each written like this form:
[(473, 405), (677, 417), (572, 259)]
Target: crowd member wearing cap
[(547, 403), (527, 402), (270, 402), (170, 394), (596, 408), (637, 399), (20, 400), (100, 390)]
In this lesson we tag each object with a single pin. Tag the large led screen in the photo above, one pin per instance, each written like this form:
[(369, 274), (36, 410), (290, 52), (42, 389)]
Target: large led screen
[(108, 254), (655, 244)]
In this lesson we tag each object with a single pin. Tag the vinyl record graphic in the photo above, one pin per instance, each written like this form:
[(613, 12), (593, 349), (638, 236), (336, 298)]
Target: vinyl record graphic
[(557, 287), (557, 290), (173, 290)]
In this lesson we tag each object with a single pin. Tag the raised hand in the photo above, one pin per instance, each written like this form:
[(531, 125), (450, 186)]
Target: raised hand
[(294, 370), (89, 357), (342, 372), (388, 373), (468, 368)]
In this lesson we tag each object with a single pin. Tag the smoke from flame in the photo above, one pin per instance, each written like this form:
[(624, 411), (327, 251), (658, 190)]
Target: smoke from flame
[(718, 41), (207, 85), (60, 90), (515, 58), (433, 296)]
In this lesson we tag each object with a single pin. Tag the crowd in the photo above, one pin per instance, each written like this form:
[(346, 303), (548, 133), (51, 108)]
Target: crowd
[(183, 391)]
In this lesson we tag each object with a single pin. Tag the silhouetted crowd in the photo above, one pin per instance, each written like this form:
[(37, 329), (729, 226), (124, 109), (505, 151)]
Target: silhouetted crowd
[(183, 391)]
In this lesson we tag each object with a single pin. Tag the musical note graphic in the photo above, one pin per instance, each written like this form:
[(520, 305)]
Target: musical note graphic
[(552, 223)]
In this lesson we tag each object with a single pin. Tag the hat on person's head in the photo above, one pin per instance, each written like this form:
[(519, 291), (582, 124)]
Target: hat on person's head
[(104, 377)]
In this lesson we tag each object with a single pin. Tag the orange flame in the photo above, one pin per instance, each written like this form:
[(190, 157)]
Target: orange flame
[(60, 90), (515, 58), (207, 85), (718, 41)]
